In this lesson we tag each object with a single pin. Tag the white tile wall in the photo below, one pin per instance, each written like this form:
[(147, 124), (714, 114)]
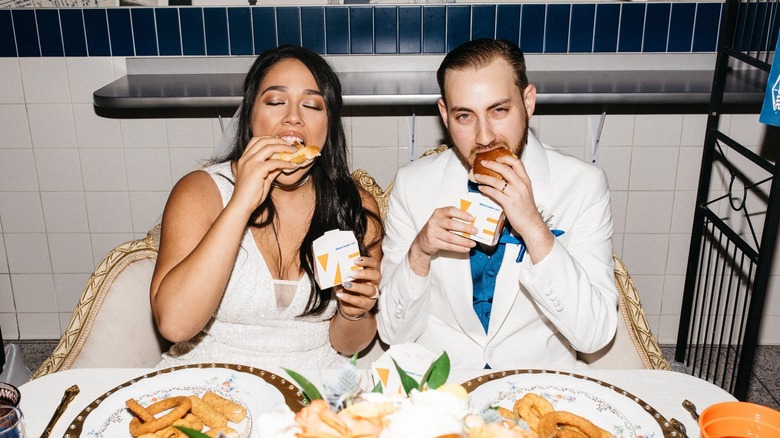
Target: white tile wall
[(73, 185)]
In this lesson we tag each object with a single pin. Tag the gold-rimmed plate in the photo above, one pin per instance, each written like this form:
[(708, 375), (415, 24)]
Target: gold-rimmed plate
[(617, 411), (257, 390)]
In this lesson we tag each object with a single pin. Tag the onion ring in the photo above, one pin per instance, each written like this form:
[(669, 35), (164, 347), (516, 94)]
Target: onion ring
[(180, 407), (532, 408), (138, 410), (562, 424)]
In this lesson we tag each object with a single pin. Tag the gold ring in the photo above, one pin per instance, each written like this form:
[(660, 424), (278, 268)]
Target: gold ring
[(376, 294), (502, 188)]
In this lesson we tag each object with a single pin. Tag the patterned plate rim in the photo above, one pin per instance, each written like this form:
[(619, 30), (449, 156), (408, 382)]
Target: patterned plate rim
[(293, 397), (667, 428)]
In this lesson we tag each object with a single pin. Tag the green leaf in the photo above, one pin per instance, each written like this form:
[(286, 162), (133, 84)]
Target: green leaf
[(354, 359), (437, 373), (406, 380), (310, 392), (192, 433), (378, 388)]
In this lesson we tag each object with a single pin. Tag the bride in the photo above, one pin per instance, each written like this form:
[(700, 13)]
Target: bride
[(234, 279)]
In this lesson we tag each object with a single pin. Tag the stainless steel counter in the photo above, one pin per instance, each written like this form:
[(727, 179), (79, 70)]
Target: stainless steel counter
[(555, 88)]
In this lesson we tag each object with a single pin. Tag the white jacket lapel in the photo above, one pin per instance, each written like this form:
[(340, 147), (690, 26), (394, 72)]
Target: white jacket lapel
[(536, 165)]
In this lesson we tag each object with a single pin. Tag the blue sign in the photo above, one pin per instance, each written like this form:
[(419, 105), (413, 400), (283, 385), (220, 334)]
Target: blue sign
[(770, 112)]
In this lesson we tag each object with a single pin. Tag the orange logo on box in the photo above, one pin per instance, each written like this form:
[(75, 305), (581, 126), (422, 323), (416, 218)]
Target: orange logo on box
[(335, 252), (323, 259)]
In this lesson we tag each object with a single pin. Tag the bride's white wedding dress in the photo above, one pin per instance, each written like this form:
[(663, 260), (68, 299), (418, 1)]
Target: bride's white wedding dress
[(258, 323)]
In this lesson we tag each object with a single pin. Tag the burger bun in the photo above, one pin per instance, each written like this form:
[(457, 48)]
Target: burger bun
[(490, 155)]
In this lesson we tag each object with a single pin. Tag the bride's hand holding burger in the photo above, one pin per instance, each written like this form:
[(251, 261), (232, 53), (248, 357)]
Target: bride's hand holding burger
[(256, 170)]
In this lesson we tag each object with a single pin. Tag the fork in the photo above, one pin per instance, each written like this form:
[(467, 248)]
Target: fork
[(67, 397)]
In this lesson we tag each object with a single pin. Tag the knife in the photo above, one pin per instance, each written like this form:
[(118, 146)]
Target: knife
[(69, 395)]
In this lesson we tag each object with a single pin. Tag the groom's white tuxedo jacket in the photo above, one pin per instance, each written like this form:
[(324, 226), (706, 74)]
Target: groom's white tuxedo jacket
[(542, 314)]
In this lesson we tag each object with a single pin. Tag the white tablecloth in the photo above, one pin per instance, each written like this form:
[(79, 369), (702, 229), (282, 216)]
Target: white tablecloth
[(663, 390)]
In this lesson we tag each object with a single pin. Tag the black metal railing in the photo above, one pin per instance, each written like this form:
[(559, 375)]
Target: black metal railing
[(735, 220)]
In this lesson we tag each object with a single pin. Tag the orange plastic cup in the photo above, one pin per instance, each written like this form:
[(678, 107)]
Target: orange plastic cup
[(739, 420)]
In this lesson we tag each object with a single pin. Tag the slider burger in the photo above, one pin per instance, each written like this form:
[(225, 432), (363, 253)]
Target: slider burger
[(490, 155), (302, 157)]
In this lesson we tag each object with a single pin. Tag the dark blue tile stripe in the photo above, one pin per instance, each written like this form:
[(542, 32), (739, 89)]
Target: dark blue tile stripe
[(483, 21), (458, 20), (313, 28), (361, 30), (26, 32), (554, 27), (73, 37), (120, 32), (532, 24), (96, 29), (605, 34), (681, 27), (385, 30), (556, 38), (7, 37), (581, 29), (705, 35), (144, 31), (240, 27), (632, 21), (434, 26), (410, 34), (193, 39), (263, 29), (215, 23), (289, 29), (49, 32), (508, 23), (656, 27), (169, 35)]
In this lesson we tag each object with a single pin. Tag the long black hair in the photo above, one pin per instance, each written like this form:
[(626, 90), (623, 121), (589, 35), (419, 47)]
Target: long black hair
[(338, 203)]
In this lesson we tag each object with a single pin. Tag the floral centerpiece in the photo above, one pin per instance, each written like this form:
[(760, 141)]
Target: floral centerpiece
[(431, 408)]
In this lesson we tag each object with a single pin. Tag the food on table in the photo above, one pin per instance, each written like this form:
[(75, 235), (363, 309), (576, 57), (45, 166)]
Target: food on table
[(186, 411), (544, 420), (232, 410), (301, 156), (564, 424), (490, 155), (531, 408), (207, 413)]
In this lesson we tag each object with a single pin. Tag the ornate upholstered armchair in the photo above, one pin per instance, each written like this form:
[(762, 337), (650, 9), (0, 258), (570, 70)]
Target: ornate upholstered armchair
[(112, 325)]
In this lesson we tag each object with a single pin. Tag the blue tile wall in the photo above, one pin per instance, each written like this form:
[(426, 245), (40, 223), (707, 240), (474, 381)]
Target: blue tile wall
[(215, 23), (313, 29), (263, 29), (409, 35), (385, 29), (193, 40), (240, 25), (361, 30), (169, 35), (582, 25), (556, 37), (369, 29), (144, 32), (51, 39), (532, 28), (120, 31)]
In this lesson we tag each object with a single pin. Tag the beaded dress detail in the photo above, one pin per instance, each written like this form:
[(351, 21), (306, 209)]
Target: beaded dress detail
[(258, 323)]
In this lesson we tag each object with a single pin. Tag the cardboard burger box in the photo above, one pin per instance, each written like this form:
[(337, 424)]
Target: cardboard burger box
[(488, 218), (334, 254)]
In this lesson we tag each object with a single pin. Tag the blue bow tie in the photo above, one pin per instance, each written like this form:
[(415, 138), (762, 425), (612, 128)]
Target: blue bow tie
[(506, 233)]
